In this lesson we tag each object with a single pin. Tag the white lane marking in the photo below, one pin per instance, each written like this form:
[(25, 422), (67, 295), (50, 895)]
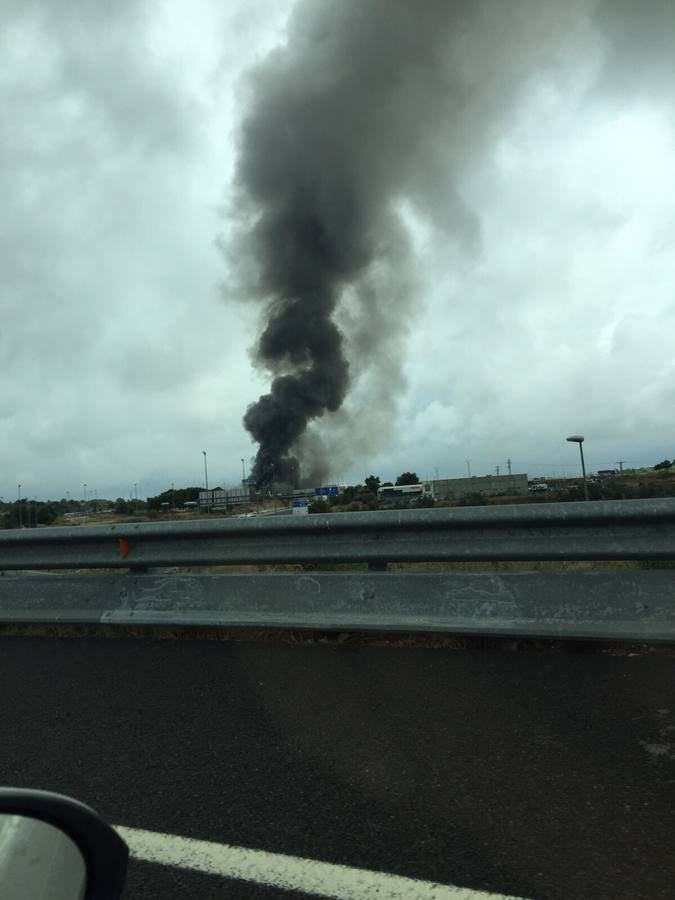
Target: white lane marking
[(287, 872)]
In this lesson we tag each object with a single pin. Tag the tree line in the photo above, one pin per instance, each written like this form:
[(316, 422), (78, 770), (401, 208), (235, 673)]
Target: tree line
[(27, 513)]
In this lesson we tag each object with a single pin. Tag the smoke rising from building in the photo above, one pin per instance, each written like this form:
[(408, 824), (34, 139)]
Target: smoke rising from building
[(331, 136), (369, 106)]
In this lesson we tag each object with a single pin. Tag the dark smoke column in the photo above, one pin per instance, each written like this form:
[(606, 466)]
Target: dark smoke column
[(300, 338), (309, 238), (331, 135), (370, 108)]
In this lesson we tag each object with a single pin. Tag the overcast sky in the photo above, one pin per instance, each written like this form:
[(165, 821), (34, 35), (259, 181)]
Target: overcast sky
[(124, 354)]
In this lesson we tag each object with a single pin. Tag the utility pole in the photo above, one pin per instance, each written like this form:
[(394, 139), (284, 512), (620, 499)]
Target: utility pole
[(20, 522), (497, 470), (468, 467), (620, 463), (508, 463)]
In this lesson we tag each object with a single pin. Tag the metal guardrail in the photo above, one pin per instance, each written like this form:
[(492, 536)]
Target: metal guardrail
[(628, 603)]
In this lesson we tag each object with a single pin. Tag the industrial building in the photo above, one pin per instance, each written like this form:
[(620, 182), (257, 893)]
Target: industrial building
[(487, 485), (224, 499), (441, 489)]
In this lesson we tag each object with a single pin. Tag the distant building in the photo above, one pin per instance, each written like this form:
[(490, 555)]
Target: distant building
[(487, 485), (219, 498)]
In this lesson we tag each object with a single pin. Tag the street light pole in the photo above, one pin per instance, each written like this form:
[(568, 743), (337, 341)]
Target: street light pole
[(579, 439), (246, 488), (206, 480)]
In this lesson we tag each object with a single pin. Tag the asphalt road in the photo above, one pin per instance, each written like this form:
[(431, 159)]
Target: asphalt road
[(542, 774)]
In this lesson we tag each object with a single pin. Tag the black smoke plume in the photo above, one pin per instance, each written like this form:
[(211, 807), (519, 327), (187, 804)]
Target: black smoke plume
[(368, 106), (334, 126)]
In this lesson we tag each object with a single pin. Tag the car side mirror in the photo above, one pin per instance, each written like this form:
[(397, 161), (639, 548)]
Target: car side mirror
[(54, 846)]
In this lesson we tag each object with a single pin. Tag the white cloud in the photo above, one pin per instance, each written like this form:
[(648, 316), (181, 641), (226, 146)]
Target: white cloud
[(564, 322)]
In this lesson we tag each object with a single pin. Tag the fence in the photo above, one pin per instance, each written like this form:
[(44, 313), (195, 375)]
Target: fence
[(143, 572)]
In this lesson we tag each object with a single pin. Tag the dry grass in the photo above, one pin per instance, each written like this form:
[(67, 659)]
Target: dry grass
[(393, 641), (298, 568)]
